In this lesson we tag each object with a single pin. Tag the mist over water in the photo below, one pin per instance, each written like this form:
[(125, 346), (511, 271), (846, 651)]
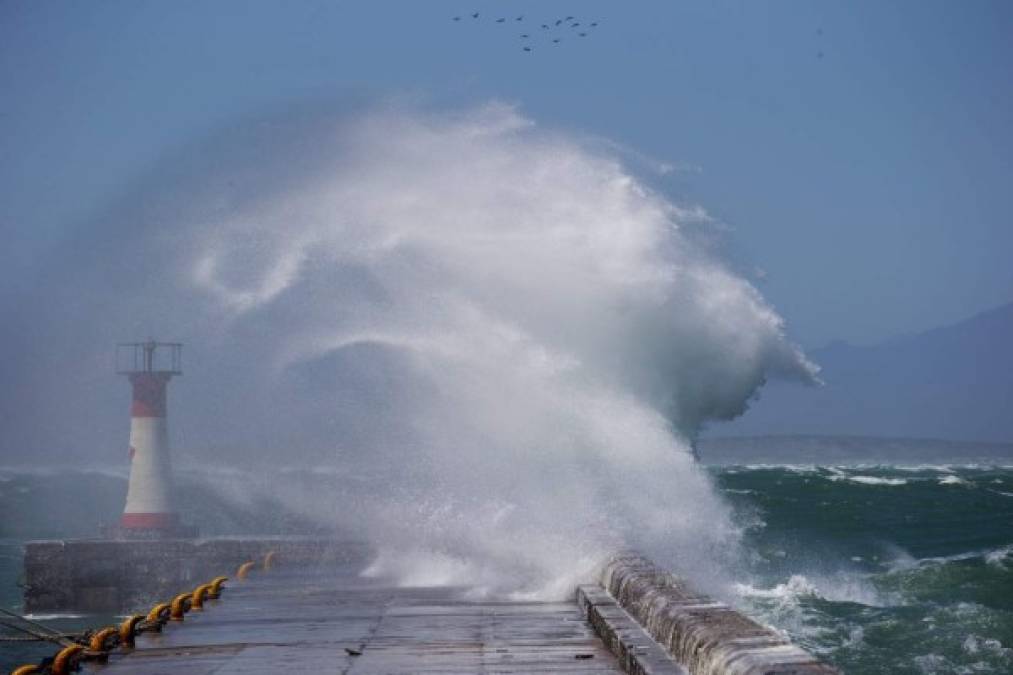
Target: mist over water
[(499, 336)]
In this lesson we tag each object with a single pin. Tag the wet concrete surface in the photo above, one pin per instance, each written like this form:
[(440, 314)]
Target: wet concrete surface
[(336, 621)]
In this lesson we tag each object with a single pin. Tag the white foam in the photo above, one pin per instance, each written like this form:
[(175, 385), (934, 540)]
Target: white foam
[(952, 480), (976, 645), (998, 556), (868, 480), (794, 468), (939, 468), (932, 664), (856, 638), (904, 562), (842, 588)]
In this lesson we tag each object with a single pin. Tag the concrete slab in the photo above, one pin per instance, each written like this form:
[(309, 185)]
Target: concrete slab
[(340, 622)]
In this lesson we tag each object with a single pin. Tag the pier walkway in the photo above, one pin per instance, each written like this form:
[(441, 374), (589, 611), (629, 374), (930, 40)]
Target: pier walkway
[(336, 621)]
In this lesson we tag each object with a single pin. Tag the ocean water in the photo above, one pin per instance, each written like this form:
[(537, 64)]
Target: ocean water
[(881, 569), (878, 569)]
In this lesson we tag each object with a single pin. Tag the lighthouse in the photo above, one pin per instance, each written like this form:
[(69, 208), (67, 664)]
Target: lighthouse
[(150, 512)]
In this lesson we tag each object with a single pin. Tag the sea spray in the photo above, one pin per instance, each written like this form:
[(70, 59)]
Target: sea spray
[(501, 338)]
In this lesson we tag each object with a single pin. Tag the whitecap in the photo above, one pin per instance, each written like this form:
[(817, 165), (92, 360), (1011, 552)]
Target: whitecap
[(867, 480), (793, 468), (952, 480), (995, 556), (930, 664), (840, 588), (939, 468), (975, 644), (998, 556), (856, 636)]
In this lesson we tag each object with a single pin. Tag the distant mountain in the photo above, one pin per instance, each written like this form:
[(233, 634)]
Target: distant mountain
[(954, 382)]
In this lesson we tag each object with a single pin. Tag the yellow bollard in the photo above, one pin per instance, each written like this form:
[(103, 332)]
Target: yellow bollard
[(26, 670), (128, 629), (244, 569), (98, 640), (216, 587), (65, 660), (179, 607), (198, 595), (158, 615)]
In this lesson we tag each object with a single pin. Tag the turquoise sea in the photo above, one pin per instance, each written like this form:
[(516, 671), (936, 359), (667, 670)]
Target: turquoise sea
[(882, 569), (877, 568)]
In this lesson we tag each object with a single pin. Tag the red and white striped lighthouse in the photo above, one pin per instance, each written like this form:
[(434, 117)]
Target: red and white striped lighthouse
[(150, 512)]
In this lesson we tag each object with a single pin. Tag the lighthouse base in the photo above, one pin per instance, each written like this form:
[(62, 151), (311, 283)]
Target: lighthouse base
[(175, 530), (148, 526)]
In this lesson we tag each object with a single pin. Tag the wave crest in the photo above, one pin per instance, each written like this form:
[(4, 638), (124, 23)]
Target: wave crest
[(509, 332)]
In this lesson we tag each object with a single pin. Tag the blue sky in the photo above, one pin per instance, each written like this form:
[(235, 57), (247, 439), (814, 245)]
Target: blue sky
[(860, 153)]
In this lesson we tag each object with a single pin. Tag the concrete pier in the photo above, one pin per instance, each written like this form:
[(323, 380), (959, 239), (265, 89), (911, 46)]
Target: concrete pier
[(315, 609), (294, 621)]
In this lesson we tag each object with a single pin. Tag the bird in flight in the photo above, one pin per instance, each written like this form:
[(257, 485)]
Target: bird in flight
[(530, 39)]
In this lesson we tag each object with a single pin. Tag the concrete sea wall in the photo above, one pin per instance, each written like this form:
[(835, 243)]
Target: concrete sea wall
[(703, 635), (110, 575)]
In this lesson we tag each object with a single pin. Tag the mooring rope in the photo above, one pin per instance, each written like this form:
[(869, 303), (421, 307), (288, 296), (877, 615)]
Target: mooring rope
[(51, 635), (97, 644), (16, 638), (57, 638), (15, 615)]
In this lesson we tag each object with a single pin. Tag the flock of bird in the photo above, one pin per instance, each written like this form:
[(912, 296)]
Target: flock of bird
[(555, 30)]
